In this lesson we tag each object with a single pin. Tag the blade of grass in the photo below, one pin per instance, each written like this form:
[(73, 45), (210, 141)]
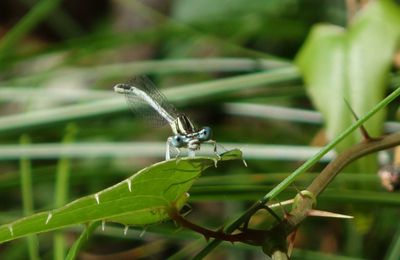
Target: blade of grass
[(62, 23), (263, 111), (304, 167), (39, 12), (142, 8), (273, 112), (178, 94), (27, 198), (152, 149), (151, 66), (61, 191), (80, 242), (22, 94)]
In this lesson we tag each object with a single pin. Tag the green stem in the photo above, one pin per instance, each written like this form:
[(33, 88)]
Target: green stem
[(27, 198), (61, 191), (39, 12), (154, 67)]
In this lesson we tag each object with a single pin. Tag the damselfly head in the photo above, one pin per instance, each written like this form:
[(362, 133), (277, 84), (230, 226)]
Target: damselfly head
[(178, 141), (122, 88), (205, 133)]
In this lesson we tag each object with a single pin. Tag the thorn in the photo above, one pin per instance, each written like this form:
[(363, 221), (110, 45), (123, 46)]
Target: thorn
[(327, 214), (282, 203), (207, 238), (215, 162), (11, 230), (364, 131), (244, 162), (129, 181), (103, 225), (49, 216), (186, 213), (126, 230), (143, 232), (96, 196)]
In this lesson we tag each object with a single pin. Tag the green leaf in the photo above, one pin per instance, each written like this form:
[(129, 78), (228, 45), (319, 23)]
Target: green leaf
[(351, 64), (138, 200)]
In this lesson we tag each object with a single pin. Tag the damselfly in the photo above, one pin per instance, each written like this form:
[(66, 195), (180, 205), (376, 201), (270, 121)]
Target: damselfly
[(146, 100)]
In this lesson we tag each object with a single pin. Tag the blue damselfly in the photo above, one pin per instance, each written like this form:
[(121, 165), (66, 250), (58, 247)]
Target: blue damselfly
[(147, 101)]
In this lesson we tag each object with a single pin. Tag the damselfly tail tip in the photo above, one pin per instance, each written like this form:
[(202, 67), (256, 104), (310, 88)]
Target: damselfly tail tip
[(121, 88)]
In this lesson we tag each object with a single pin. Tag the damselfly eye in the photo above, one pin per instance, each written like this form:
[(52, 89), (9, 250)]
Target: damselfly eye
[(205, 134), (177, 141)]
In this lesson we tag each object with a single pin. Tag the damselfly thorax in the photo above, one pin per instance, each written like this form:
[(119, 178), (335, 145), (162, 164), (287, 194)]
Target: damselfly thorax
[(183, 125), (147, 101)]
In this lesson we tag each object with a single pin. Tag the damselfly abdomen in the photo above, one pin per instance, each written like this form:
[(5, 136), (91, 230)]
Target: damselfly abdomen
[(146, 100)]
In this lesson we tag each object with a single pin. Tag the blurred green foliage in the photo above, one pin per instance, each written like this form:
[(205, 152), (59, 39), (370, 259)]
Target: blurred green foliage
[(208, 53)]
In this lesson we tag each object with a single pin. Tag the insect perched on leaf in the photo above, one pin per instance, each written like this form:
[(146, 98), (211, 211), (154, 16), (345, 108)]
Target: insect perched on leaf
[(147, 101)]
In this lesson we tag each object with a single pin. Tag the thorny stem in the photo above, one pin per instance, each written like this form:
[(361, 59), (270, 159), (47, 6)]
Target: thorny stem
[(305, 203), (332, 169), (366, 148)]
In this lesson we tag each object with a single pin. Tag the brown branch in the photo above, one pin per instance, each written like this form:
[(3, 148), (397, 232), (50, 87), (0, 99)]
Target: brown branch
[(305, 203), (248, 236)]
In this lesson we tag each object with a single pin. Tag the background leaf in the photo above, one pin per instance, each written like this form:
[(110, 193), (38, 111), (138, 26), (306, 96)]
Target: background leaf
[(351, 64)]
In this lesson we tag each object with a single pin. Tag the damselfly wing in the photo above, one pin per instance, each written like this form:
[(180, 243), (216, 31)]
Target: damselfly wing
[(147, 101)]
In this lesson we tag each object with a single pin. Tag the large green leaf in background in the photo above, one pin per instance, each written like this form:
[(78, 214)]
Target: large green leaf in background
[(139, 200), (351, 64)]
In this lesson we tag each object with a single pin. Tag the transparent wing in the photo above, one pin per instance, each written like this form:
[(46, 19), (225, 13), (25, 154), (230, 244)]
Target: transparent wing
[(141, 107)]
